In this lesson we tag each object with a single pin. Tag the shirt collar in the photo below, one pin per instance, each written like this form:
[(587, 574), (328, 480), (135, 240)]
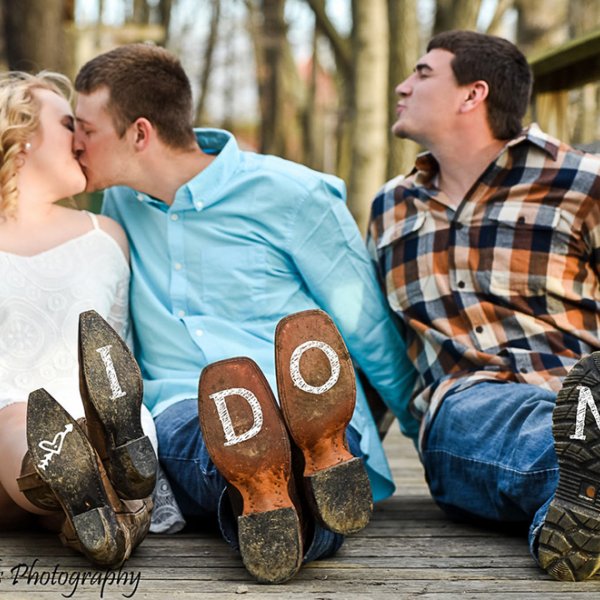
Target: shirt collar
[(426, 166), (205, 187)]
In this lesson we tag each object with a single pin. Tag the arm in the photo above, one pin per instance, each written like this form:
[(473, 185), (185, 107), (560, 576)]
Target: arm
[(330, 255)]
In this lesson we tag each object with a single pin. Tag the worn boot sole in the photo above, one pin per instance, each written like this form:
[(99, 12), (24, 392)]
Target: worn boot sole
[(317, 391), (247, 441), (569, 545), (66, 462), (111, 389)]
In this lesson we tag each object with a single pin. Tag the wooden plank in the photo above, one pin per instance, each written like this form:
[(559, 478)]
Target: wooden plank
[(410, 549), (569, 65)]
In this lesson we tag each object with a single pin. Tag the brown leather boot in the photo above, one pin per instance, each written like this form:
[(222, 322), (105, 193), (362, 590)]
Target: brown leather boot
[(247, 441), (97, 523), (111, 390), (317, 392), (34, 488)]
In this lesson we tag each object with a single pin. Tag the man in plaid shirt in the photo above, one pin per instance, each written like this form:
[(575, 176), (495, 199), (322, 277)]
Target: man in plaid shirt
[(488, 253)]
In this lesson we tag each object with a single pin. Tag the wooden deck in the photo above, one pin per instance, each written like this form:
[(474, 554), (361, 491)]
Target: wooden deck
[(409, 550)]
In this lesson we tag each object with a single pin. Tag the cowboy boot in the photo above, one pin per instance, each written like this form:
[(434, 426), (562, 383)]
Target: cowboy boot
[(34, 488), (246, 439), (317, 392), (97, 523), (111, 390)]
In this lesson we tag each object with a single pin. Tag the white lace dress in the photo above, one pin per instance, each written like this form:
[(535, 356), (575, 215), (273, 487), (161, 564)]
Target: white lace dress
[(41, 297)]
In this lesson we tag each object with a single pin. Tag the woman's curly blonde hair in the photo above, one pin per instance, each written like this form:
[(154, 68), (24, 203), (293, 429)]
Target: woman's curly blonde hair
[(19, 120)]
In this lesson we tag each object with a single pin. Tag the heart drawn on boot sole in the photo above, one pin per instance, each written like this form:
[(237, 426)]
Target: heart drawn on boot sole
[(53, 447)]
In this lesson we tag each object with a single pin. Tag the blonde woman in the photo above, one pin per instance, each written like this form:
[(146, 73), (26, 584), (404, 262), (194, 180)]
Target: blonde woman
[(55, 264)]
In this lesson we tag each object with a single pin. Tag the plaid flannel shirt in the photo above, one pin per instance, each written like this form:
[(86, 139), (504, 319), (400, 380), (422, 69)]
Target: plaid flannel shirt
[(502, 285)]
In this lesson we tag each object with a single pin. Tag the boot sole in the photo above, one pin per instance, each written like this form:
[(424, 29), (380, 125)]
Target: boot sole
[(258, 467), (569, 545), (66, 462), (116, 407), (336, 483)]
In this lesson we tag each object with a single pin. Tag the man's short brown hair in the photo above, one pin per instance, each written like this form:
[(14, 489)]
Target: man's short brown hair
[(501, 65), (147, 81)]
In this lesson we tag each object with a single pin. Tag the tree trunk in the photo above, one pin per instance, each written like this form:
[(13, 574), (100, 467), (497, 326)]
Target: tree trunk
[(456, 14), (404, 53), (273, 33), (208, 59), (34, 35), (141, 12), (495, 26), (369, 133), (164, 12)]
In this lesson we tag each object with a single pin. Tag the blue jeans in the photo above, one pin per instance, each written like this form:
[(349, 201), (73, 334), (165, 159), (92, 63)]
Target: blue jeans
[(200, 489), (489, 454)]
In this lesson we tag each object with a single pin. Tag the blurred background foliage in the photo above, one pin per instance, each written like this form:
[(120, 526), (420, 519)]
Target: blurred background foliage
[(313, 80)]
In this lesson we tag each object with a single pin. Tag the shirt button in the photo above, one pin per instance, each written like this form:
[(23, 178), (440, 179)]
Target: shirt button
[(181, 313), (140, 197), (174, 217), (178, 266), (523, 369), (199, 204), (479, 329), (199, 332), (461, 284)]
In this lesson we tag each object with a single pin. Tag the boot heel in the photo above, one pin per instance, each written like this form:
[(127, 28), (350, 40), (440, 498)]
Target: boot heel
[(340, 497), (100, 536), (271, 544), (132, 466)]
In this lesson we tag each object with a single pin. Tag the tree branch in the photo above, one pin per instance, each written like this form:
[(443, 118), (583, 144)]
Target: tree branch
[(341, 46)]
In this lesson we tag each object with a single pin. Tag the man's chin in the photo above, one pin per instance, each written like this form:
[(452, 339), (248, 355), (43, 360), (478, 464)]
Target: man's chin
[(399, 131), (92, 186)]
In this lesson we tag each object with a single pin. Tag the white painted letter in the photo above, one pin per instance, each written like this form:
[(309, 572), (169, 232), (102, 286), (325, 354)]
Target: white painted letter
[(115, 386), (230, 435), (585, 399), (334, 363)]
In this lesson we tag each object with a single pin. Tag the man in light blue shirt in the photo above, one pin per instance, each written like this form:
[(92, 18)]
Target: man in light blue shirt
[(224, 244)]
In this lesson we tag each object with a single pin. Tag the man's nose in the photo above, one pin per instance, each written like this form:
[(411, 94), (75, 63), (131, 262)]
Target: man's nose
[(403, 88), (78, 147)]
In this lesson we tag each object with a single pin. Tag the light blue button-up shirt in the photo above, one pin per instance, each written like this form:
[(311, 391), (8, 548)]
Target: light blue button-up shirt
[(247, 241)]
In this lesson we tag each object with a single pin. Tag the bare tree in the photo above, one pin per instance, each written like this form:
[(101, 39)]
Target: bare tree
[(456, 14), (404, 53), (34, 32), (369, 133), (209, 50)]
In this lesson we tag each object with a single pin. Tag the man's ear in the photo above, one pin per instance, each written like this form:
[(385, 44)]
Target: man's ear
[(475, 94), (141, 132)]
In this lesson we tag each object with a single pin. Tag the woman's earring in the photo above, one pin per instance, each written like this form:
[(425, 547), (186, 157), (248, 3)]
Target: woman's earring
[(27, 146)]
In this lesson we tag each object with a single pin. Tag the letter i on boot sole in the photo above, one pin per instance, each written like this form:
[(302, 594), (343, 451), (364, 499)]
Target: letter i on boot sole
[(111, 389)]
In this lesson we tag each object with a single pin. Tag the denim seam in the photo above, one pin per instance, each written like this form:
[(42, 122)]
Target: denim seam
[(492, 464)]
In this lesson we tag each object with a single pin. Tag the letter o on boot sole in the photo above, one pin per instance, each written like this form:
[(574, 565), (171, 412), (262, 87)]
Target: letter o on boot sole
[(317, 391)]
